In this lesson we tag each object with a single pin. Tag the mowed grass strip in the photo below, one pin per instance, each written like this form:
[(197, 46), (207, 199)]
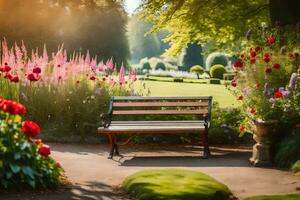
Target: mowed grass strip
[(174, 184), (219, 92), (276, 197)]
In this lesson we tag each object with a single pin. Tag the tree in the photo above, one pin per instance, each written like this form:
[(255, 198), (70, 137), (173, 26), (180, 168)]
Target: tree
[(198, 70), (192, 56), (222, 21), (99, 26)]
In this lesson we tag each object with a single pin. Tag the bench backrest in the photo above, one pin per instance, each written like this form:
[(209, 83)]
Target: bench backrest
[(127, 106)]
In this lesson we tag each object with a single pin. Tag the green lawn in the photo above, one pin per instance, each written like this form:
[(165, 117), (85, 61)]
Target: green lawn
[(219, 92), (276, 197), (174, 184)]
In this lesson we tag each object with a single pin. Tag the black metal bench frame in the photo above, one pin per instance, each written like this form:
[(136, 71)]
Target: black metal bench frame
[(197, 106)]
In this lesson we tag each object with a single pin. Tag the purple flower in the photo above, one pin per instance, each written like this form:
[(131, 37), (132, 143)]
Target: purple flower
[(293, 80), (248, 34)]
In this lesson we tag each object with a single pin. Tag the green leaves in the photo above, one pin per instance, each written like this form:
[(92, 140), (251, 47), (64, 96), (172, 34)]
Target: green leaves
[(15, 168)]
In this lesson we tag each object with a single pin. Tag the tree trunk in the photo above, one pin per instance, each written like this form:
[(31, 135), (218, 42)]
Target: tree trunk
[(284, 12)]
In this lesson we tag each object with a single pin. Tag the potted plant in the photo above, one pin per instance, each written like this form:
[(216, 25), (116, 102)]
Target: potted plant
[(265, 84)]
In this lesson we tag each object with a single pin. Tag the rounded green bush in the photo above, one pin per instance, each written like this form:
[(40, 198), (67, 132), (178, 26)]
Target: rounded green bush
[(160, 65), (217, 71), (174, 184), (216, 58), (197, 69)]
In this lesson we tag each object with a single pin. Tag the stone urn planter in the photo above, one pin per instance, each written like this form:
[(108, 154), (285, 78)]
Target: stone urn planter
[(261, 150)]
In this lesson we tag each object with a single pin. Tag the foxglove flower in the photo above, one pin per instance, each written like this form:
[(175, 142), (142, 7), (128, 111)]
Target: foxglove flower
[(293, 81)]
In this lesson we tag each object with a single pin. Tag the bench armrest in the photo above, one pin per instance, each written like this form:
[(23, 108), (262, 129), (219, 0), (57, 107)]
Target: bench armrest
[(105, 120)]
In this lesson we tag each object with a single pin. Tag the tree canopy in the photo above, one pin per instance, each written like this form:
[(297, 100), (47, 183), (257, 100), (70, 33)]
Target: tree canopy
[(97, 25), (225, 22)]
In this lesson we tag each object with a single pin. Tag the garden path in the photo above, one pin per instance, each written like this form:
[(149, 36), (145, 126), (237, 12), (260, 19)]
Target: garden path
[(95, 177)]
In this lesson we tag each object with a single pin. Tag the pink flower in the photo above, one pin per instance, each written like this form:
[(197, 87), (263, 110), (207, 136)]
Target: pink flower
[(37, 70)]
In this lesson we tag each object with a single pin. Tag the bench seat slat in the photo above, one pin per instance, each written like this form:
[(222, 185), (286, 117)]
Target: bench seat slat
[(160, 112), (137, 98), (160, 104)]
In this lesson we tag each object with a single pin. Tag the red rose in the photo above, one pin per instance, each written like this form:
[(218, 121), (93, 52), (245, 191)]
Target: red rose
[(12, 107), (241, 97), (252, 60), (252, 110), (8, 76), (238, 64), (15, 79), (233, 83), (278, 95), (44, 150), (268, 70), (242, 128), (267, 59), (37, 70), (1, 69), (32, 77), (252, 53), (30, 128), (92, 78), (271, 40), (38, 141), (276, 66), (257, 49), (7, 68)]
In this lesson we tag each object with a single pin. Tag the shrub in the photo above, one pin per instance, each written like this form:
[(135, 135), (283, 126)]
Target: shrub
[(296, 167), (217, 71), (24, 162), (197, 69), (215, 81), (215, 59), (160, 65), (288, 151), (146, 66), (179, 80)]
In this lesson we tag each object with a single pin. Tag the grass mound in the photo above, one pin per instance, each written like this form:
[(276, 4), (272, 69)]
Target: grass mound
[(276, 197), (174, 184)]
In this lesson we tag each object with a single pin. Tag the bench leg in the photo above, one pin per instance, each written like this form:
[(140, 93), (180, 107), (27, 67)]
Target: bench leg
[(112, 145), (116, 150), (206, 151)]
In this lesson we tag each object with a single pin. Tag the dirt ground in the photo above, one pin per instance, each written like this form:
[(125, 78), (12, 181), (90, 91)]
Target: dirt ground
[(94, 177)]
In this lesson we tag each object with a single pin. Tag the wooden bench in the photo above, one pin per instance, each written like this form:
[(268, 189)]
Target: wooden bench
[(130, 115)]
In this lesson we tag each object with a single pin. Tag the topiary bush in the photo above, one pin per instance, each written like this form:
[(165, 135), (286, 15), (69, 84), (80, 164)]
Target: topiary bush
[(217, 71), (197, 69), (24, 162), (216, 58), (160, 65)]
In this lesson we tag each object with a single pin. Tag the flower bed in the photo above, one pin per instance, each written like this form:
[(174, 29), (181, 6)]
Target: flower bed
[(25, 162)]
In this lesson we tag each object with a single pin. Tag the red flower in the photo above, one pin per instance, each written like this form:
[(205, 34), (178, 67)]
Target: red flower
[(103, 79), (32, 77), (276, 66), (278, 95), (242, 128), (38, 141), (1, 69), (44, 150), (106, 75), (238, 64), (13, 107), (242, 56), (7, 68), (252, 110), (58, 65), (252, 53), (241, 97), (266, 59), (233, 83), (30, 128), (252, 60), (8, 76), (271, 40), (268, 70), (15, 79), (92, 78), (77, 82), (257, 49), (37, 70)]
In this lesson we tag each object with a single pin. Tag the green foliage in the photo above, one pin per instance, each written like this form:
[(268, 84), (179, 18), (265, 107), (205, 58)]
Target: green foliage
[(288, 151), (160, 65), (296, 167), (164, 184), (276, 197), (61, 22), (197, 69), (216, 58), (192, 56), (217, 71), (21, 166), (146, 66)]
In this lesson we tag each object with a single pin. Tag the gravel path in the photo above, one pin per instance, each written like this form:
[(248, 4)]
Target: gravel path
[(94, 177)]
